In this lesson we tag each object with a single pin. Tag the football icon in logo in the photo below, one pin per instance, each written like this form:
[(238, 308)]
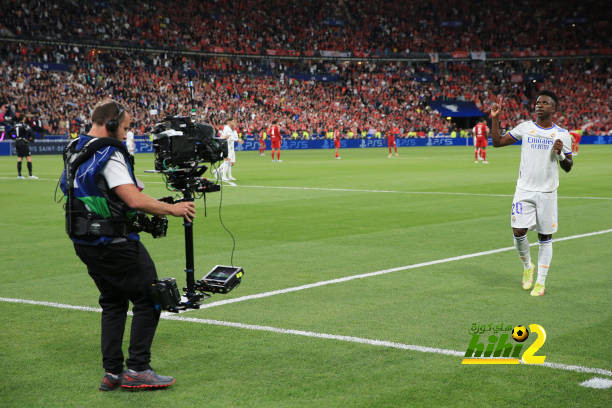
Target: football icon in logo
[(520, 333)]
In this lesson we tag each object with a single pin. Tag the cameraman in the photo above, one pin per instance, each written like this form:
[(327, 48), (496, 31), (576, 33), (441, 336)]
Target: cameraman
[(105, 194)]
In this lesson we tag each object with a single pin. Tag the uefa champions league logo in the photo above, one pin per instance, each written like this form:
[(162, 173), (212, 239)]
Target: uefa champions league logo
[(500, 350)]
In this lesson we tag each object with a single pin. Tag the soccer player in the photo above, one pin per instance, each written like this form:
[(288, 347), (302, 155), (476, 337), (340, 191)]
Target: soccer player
[(23, 136), (229, 133), (391, 142), (535, 200), (337, 143), (576, 136), (262, 142), (129, 142), (275, 140), (480, 132)]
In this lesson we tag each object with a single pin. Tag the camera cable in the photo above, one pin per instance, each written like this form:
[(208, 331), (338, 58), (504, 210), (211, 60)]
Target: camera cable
[(217, 174)]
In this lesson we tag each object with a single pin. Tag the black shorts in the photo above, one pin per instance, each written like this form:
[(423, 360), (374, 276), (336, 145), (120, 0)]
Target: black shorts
[(23, 150)]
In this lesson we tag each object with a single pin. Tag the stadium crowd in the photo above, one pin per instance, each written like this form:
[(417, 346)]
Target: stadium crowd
[(308, 27), (56, 85), (368, 97)]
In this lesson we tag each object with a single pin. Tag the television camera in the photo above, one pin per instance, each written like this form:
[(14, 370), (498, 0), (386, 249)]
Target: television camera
[(181, 147)]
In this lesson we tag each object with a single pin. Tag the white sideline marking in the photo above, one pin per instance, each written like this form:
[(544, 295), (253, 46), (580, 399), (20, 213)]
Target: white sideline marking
[(350, 339), (382, 272), (349, 190), (596, 382), (52, 304)]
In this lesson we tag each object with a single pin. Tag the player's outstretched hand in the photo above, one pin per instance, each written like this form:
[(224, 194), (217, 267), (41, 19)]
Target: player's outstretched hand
[(185, 209), (496, 107), (557, 146)]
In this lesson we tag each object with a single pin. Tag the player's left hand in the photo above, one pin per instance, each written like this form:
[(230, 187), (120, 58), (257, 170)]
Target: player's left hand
[(557, 146), (240, 141)]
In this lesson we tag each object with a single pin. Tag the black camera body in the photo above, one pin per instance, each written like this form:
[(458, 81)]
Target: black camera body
[(155, 225), (179, 144), (165, 294)]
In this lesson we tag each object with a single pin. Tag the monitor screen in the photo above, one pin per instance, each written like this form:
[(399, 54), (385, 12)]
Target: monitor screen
[(220, 273)]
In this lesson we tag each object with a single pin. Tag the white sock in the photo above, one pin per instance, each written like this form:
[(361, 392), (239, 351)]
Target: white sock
[(545, 254), (229, 170), (219, 171), (522, 247)]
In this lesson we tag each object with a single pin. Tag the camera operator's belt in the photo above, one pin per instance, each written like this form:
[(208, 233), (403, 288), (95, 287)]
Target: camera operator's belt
[(98, 228)]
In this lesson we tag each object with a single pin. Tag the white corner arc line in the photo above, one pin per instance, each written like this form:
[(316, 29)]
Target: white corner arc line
[(382, 272), (303, 333), (597, 383)]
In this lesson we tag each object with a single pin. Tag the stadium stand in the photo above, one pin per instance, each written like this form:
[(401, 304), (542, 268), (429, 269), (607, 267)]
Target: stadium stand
[(57, 83), (304, 27)]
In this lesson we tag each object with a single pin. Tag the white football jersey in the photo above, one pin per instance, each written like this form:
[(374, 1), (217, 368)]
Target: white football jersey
[(539, 170), (231, 136)]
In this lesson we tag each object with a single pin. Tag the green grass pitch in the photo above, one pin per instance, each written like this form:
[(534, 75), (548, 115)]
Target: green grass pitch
[(313, 219)]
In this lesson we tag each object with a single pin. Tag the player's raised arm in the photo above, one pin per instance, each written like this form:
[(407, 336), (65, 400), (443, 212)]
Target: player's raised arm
[(498, 140), (565, 162)]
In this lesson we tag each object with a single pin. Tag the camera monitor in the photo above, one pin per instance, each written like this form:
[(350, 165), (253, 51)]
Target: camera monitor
[(222, 279)]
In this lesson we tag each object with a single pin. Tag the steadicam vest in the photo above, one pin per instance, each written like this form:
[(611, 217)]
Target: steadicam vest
[(94, 213)]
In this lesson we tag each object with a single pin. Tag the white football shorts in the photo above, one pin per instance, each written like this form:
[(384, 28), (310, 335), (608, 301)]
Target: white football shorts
[(535, 211)]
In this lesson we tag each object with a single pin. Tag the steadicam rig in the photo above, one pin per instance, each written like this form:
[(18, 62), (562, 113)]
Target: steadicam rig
[(221, 279), (181, 147)]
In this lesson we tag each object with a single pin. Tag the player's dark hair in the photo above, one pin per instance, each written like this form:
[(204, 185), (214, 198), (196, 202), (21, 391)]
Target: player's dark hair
[(551, 94)]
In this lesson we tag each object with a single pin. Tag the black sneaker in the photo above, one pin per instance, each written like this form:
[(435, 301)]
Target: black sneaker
[(110, 382), (147, 379)]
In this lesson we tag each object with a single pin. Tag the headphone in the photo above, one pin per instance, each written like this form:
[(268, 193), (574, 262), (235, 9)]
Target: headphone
[(113, 124)]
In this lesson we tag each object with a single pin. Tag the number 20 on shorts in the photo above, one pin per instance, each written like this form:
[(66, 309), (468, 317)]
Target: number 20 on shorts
[(517, 208)]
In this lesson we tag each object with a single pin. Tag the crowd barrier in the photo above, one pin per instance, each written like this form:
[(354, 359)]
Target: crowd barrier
[(39, 147)]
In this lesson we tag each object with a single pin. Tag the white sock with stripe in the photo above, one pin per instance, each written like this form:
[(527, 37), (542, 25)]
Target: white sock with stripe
[(522, 247), (545, 254)]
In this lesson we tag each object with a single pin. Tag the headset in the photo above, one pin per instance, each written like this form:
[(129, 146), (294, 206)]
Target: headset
[(113, 124)]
